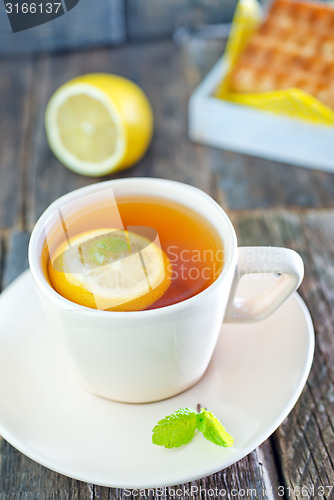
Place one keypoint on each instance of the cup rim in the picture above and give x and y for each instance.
(46, 289)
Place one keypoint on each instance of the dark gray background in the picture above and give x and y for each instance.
(113, 22)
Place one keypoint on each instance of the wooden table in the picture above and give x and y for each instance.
(269, 204)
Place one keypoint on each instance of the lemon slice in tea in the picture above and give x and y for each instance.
(110, 269)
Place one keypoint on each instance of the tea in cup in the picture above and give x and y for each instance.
(138, 275)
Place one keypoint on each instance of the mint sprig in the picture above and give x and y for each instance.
(104, 248)
(179, 428)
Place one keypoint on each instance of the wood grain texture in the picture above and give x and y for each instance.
(2, 256)
(308, 439)
(2, 252)
(16, 260)
(252, 183)
(15, 89)
(21, 478)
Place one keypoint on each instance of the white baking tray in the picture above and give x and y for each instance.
(247, 130)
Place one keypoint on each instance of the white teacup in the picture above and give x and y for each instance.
(145, 356)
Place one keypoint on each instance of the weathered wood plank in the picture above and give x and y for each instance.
(305, 441)
(1, 287)
(157, 18)
(2, 247)
(252, 183)
(15, 88)
(17, 257)
(23, 479)
(90, 23)
(311, 463)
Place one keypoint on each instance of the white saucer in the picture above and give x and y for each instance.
(256, 376)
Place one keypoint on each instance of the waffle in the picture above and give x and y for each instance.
(293, 47)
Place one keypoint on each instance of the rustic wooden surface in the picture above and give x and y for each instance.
(269, 203)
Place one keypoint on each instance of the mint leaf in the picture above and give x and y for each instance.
(96, 257)
(113, 245)
(103, 249)
(212, 429)
(179, 428)
(176, 429)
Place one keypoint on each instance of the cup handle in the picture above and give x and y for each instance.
(285, 263)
